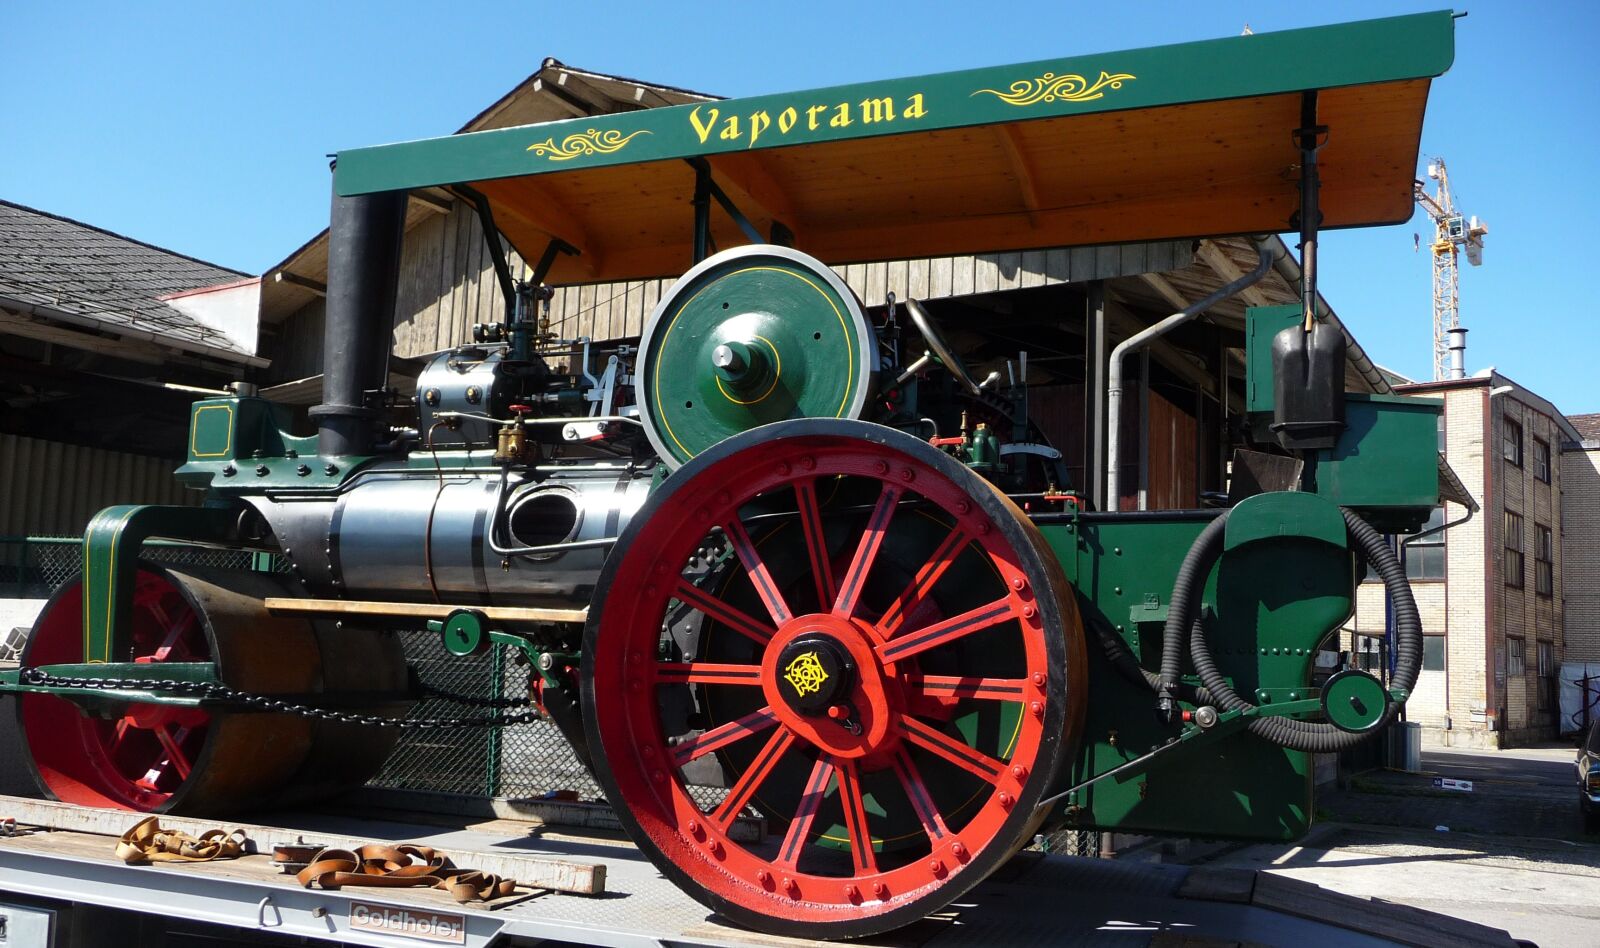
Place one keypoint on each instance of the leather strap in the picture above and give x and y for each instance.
(402, 866)
(147, 842)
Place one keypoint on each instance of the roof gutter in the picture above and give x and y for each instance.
(1114, 374)
(1289, 268)
(126, 332)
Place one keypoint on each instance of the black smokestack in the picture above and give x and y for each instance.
(363, 269)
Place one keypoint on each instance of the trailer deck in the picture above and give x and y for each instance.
(65, 855)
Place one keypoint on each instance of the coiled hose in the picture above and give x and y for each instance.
(1182, 616)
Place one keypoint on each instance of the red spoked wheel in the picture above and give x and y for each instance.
(830, 673)
(138, 757)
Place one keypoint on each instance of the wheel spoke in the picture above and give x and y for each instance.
(696, 747)
(173, 640)
(805, 493)
(855, 817)
(935, 741)
(707, 673)
(745, 787)
(800, 825)
(927, 577)
(871, 539)
(933, 636)
(917, 792)
(760, 576)
(736, 619)
(963, 686)
(170, 743)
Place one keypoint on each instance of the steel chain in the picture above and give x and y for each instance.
(220, 692)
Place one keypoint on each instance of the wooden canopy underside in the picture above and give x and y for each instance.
(1201, 169)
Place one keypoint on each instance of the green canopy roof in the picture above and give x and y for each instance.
(1184, 140)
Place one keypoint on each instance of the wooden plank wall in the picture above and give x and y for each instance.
(52, 489)
(447, 283)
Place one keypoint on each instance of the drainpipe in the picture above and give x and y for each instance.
(1114, 376)
(1289, 269)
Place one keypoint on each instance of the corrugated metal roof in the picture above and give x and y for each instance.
(55, 265)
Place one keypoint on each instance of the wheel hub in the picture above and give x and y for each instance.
(825, 683)
(817, 674)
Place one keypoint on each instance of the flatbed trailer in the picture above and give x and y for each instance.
(62, 885)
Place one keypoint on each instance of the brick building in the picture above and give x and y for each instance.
(1491, 587)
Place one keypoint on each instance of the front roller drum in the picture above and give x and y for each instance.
(160, 758)
(871, 644)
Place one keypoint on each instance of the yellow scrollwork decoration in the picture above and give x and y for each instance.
(806, 674)
(579, 144)
(1050, 87)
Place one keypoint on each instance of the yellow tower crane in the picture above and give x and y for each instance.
(1451, 233)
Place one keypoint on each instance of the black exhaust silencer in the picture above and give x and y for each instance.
(363, 269)
(1308, 386)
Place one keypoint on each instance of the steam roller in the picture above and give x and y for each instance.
(177, 755)
(799, 574)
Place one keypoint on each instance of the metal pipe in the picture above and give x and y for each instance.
(363, 271)
(1458, 351)
(1286, 266)
(1114, 375)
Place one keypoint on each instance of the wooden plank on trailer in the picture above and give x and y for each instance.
(536, 872)
(420, 610)
(1010, 265)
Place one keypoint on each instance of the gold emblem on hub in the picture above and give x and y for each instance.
(805, 674)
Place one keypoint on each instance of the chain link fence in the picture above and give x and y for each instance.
(523, 761)
(34, 567)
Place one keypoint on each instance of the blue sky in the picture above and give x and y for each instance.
(202, 127)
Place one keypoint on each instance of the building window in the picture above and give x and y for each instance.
(1544, 562)
(1547, 676)
(1512, 448)
(1513, 550)
(1442, 439)
(1368, 653)
(1433, 653)
(1541, 460)
(1425, 555)
(1515, 663)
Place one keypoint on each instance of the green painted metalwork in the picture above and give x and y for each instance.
(793, 350)
(1387, 457)
(1284, 514)
(1398, 48)
(1354, 700)
(1261, 325)
(111, 561)
(1272, 599)
(242, 445)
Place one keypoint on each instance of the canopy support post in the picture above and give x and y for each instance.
(1309, 137)
(705, 188)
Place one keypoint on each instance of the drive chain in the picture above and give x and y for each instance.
(216, 691)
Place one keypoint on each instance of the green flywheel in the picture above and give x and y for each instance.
(751, 336)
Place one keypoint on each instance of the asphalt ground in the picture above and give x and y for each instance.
(1511, 853)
